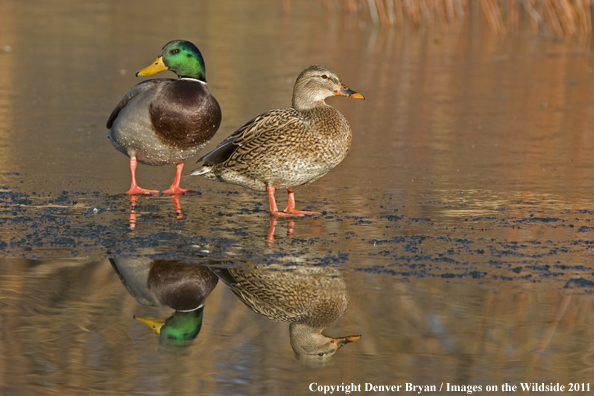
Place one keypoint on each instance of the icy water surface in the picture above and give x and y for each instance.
(456, 238)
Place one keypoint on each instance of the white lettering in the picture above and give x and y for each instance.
(416, 388)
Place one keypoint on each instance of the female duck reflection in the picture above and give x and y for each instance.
(183, 287)
(309, 297)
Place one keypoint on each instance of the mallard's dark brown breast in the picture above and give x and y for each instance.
(185, 114)
(179, 285)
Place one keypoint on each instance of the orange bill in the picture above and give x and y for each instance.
(349, 93)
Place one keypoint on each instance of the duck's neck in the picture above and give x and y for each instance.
(193, 79)
(310, 105)
(306, 97)
(307, 340)
(300, 103)
(193, 68)
(304, 331)
(198, 77)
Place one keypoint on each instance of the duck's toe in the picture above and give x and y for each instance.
(135, 190)
(176, 190)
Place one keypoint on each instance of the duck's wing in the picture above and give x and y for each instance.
(134, 269)
(251, 134)
(134, 91)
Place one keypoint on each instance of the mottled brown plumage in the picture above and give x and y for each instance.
(286, 148)
(309, 297)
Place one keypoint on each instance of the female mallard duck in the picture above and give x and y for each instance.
(166, 121)
(285, 148)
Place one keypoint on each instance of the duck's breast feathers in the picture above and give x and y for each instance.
(135, 91)
(180, 285)
(184, 113)
(258, 132)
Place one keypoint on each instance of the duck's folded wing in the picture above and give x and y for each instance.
(134, 91)
(258, 129)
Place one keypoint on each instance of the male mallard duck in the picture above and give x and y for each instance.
(309, 297)
(285, 148)
(183, 287)
(166, 121)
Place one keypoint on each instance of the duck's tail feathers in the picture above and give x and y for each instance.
(201, 171)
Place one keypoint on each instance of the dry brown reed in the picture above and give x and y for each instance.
(563, 18)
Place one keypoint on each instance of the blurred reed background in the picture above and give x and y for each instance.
(563, 18)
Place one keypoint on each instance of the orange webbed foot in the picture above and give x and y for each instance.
(135, 190)
(176, 190)
(277, 213)
(295, 212)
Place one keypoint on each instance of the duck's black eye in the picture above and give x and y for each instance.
(175, 51)
(321, 353)
(324, 76)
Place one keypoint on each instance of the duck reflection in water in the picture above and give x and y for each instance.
(183, 287)
(309, 297)
(134, 202)
(272, 229)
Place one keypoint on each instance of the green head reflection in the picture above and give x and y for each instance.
(178, 330)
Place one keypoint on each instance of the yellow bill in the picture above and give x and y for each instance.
(156, 67)
(153, 323)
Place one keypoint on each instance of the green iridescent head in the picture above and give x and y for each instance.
(178, 330)
(181, 57)
(181, 328)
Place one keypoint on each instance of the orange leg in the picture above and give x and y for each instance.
(273, 208)
(175, 188)
(291, 206)
(133, 200)
(134, 189)
(290, 231)
(272, 228)
(178, 211)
